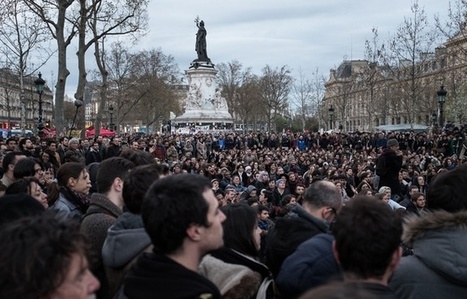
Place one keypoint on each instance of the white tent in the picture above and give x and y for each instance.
(403, 127)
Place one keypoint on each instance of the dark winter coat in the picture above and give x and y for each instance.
(100, 216)
(288, 233)
(393, 164)
(311, 265)
(157, 276)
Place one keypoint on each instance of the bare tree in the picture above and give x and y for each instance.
(229, 77)
(104, 19)
(302, 94)
(57, 17)
(22, 39)
(409, 55)
(275, 85)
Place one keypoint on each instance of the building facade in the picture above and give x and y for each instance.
(18, 109)
(361, 95)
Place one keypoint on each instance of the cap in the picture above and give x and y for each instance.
(392, 142)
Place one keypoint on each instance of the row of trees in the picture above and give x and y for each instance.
(140, 84)
(401, 75)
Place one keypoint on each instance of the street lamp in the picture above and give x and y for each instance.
(331, 115)
(40, 89)
(441, 98)
(434, 117)
(78, 103)
(111, 112)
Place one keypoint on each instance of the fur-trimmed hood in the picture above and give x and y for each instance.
(417, 227)
(439, 241)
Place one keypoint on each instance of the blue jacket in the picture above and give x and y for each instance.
(311, 265)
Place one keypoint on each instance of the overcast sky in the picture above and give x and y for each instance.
(306, 34)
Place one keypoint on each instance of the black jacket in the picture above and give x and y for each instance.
(157, 276)
(289, 232)
(393, 165)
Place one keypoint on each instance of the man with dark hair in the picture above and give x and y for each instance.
(127, 239)
(11, 144)
(367, 245)
(26, 147)
(114, 148)
(319, 209)
(8, 165)
(43, 257)
(106, 206)
(183, 220)
(438, 238)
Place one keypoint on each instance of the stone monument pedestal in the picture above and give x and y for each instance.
(204, 104)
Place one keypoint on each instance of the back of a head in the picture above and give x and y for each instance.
(24, 168)
(137, 157)
(367, 232)
(170, 206)
(322, 193)
(241, 221)
(36, 254)
(109, 170)
(16, 206)
(448, 191)
(9, 159)
(137, 183)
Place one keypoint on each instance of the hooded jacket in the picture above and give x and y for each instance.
(438, 267)
(126, 240)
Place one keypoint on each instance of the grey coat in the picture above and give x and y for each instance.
(438, 268)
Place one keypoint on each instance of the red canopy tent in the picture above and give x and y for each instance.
(104, 133)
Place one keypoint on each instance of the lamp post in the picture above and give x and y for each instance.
(40, 89)
(434, 118)
(111, 112)
(331, 116)
(441, 98)
(78, 103)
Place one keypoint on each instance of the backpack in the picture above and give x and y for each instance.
(381, 169)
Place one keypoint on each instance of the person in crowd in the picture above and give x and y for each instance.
(8, 165)
(436, 268)
(73, 153)
(29, 167)
(311, 265)
(26, 146)
(386, 192)
(16, 206)
(320, 206)
(127, 239)
(181, 216)
(93, 154)
(418, 203)
(114, 148)
(30, 186)
(105, 206)
(367, 246)
(388, 165)
(68, 196)
(235, 268)
(44, 257)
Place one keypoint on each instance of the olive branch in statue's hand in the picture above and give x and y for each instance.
(197, 20)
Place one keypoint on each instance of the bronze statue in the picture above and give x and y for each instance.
(201, 45)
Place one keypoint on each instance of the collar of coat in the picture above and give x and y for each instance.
(415, 226)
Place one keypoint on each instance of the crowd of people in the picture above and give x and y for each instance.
(235, 215)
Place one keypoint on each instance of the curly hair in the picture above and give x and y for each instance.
(36, 254)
